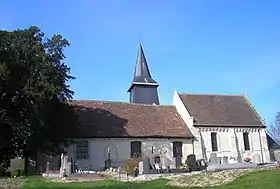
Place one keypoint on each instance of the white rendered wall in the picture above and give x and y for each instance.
(231, 144)
(120, 151)
(230, 140)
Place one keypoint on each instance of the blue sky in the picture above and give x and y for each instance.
(193, 46)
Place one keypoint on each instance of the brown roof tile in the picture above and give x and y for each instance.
(221, 110)
(120, 119)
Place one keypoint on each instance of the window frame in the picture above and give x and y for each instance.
(135, 149)
(82, 150)
(246, 141)
(177, 145)
(214, 142)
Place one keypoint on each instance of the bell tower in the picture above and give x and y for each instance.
(143, 89)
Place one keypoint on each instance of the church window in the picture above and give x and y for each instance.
(214, 142)
(246, 141)
(82, 150)
(135, 149)
(177, 149)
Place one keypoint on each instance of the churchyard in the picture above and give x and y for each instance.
(193, 174)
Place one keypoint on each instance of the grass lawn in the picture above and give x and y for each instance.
(256, 180)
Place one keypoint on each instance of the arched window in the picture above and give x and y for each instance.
(135, 149)
(177, 149)
(214, 142)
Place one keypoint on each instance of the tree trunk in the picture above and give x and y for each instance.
(38, 162)
(26, 165)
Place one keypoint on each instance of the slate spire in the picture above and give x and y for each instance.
(142, 73)
(143, 88)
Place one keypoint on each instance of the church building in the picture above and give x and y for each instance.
(198, 124)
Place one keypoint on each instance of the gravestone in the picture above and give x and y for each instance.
(164, 153)
(47, 166)
(219, 160)
(146, 165)
(225, 160)
(61, 171)
(68, 168)
(164, 162)
(108, 163)
(191, 161)
(141, 167)
(202, 163)
(65, 161)
(64, 169)
(213, 158)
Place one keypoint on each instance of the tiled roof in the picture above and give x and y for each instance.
(221, 110)
(119, 119)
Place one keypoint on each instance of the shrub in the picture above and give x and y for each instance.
(16, 172)
(183, 167)
(4, 172)
(131, 164)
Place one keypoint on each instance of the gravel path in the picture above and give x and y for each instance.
(11, 183)
(209, 179)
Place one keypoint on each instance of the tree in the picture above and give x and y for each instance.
(35, 114)
(274, 130)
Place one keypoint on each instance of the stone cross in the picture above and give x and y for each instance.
(68, 170)
(141, 167)
(48, 166)
(61, 165)
(109, 152)
(164, 152)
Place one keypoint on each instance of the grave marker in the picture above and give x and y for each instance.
(225, 160)
(191, 161)
(213, 158)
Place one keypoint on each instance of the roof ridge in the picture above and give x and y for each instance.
(121, 102)
(252, 107)
(208, 94)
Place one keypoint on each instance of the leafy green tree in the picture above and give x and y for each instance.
(35, 114)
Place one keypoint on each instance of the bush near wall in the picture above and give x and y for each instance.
(17, 167)
(131, 164)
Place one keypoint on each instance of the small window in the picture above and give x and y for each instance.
(214, 142)
(246, 141)
(135, 149)
(82, 150)
(177, 149)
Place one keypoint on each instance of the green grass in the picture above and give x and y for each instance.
(255, 180)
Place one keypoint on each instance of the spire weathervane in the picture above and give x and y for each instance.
(140, 37)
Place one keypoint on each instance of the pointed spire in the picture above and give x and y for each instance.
(142, 73)
(143, 88)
